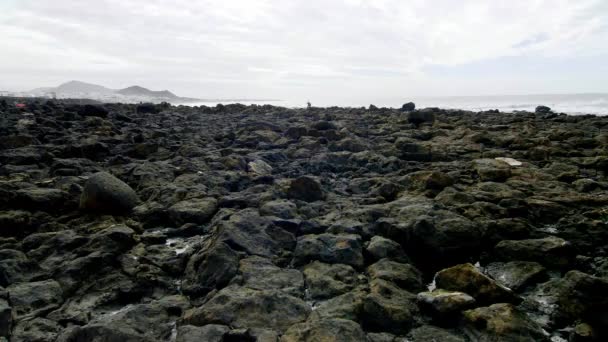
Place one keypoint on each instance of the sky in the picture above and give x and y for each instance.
(322, 50)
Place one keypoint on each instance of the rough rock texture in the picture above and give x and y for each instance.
(261, 223)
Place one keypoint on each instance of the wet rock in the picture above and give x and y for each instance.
(428, 180)
(196, 210)
(491, 170)
(36, 330)
(468, 279)
(431, 333)
(575, 296)
(261, 274)
(345, 306)
(329, 248)
(104, 193)
(516, 275)
(305, 189)
(26, 298)
(501, 322)
(380, 248)
(326, 281)
(333, 330)
(444, 302)
(42, 199)
(211, 268)
(210, 333)
(550, 251)
(405, 276)
(248, 232)
(279, 208)
(241, 307)
(388, 308)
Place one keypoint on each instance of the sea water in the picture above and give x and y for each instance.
(575, 104)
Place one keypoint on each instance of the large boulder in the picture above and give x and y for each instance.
(261, 274)
(209, 269)
(408, 107)
(492, 170)
(104, 193)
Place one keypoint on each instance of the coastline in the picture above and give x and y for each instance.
(271, 221)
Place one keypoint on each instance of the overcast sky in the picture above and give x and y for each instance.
(308, 49)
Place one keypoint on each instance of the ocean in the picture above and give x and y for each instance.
(575, 104)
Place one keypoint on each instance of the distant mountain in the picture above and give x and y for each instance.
(82, 87)
(133, 94)
(141, 91)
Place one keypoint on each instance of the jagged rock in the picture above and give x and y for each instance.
(575, 296)
(501, 322)
(446, 302)
(492, 170)
(104, 193)
(405, 276)
(326, 281)
(380, 248)
(279, 208)
(329, 248)
(516, 275)
(36, 330)
(196, 210)
(345, 306)
(208, 333)
(6, 319)
(542, 109)
(261, 274)
(431, 333)
(550, 251)
(241, 307)
(468, 279)
(211, 268)
(26, 298)
(388, 308)
(333, 330)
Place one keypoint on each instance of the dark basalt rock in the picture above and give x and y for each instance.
(104, 193)
(408, 107)
(300, 224)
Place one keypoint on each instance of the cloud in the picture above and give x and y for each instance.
(284, 48)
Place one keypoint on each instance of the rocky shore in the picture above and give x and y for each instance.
(260, 223)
